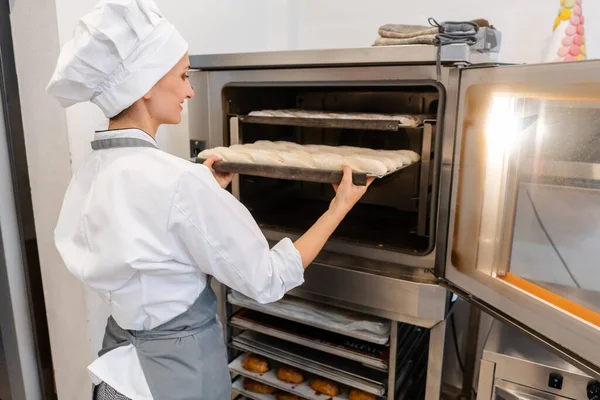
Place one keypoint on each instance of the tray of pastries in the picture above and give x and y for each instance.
(273, 380)
(309, 162)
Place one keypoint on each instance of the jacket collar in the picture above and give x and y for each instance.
(124, 133)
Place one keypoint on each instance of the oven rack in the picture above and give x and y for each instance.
(294, 173)
(370, 355)
(274, 310)
(270, 378)
(333, 119)
(337, 369)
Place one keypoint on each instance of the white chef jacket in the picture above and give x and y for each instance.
(145, 228)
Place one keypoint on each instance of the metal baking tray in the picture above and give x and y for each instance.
(270, 378)
(266, 309)
(337, 369)
(368, 354)
(338, 120)
(294, 173)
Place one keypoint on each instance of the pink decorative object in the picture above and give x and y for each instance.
(574, 50)
(575, 20)
(563, 51)
(568, 38)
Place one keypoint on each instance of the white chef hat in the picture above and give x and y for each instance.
(118, 52)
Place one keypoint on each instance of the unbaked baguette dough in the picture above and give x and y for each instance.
(226, 154)
(262, 156)
(297, 159)
(284, 153)
(367, 165)
(329, 161)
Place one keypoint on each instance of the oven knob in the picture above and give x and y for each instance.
(593, 390)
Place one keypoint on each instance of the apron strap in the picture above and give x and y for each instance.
(121, 142)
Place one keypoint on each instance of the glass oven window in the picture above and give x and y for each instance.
(529, 195)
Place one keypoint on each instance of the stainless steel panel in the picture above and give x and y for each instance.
(570, 336)
(485, 387)
(435, 362)
(416, 54)
(424, 181)
(421, 304)
(199, 118)
(511, 391)
(522, 361)
(391, 384)
(17, 336)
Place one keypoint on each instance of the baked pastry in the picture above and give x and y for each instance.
(325, 387)
(290, 375)
(258, 387)
(356, 394)
(256, 364)
(288, 396)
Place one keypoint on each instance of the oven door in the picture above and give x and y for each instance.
(521, 198)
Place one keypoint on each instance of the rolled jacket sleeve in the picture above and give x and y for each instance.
(216, 233)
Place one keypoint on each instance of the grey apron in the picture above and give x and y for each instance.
(185, 358)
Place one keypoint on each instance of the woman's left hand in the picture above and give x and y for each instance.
(223, 178)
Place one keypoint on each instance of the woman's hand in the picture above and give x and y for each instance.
(223, 178)
(346, 193)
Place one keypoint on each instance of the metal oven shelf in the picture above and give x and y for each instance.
(270, 378)
(293, 173)
(327, 119)
(371, 355)
(277, 311)
(327, 366)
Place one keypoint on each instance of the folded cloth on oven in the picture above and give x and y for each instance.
(436, 34)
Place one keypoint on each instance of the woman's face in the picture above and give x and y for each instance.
(165, 100)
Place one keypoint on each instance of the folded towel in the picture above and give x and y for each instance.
(398, 31)
(425, 39)
(437, 34)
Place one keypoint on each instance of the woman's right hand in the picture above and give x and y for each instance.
(347, 193)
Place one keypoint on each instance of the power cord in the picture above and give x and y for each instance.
(562, 260)
(457, 349)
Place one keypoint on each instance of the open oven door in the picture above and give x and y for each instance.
(520, 196)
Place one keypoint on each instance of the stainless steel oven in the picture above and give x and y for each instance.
(515, 367)
(495, 142)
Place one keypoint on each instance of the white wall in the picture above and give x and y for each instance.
(526, 26)
(34, 28)
(61, 139)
